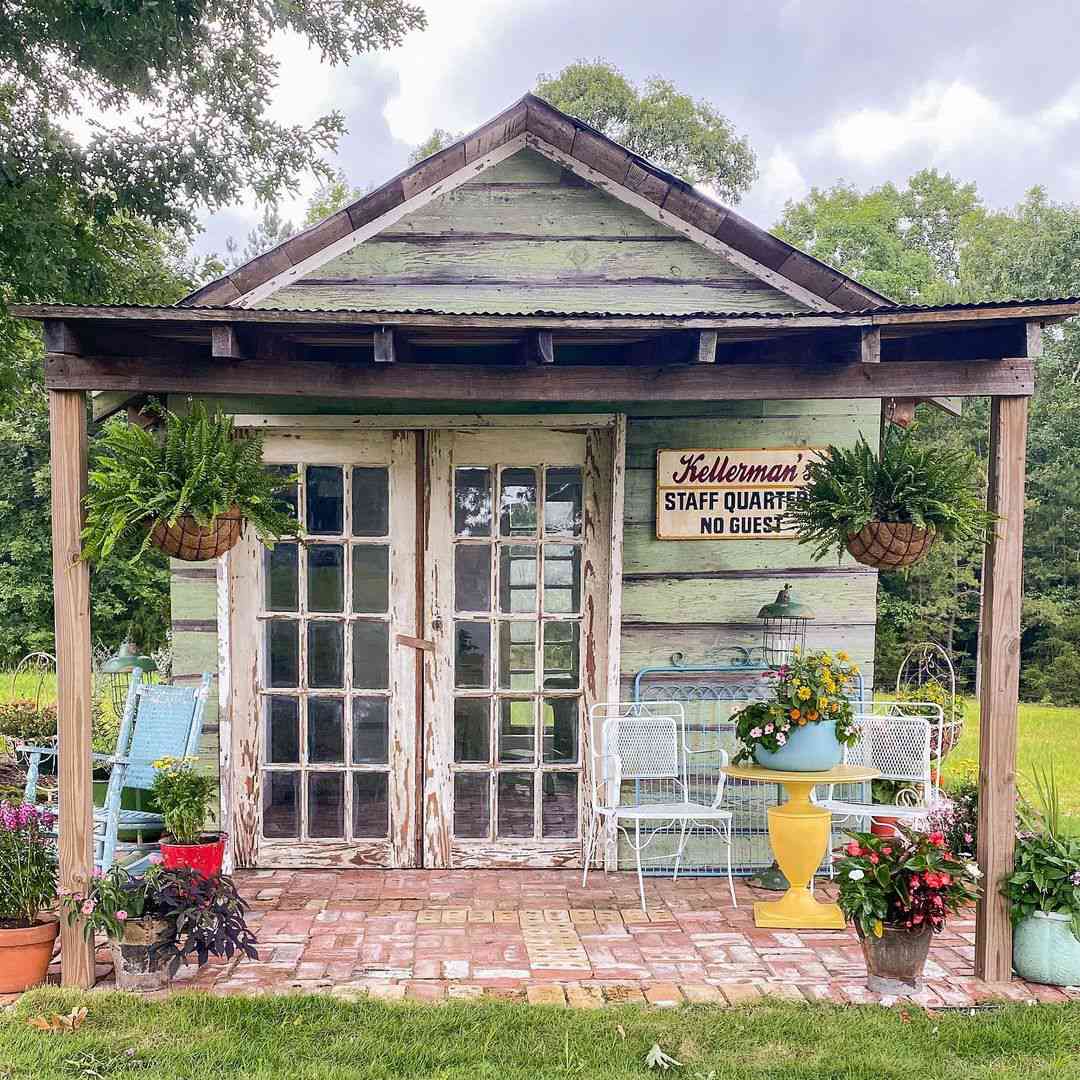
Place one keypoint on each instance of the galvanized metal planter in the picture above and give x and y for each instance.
(135, 961)
(895, 961)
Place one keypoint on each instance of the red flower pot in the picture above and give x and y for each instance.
(205, 858)
(885, 826)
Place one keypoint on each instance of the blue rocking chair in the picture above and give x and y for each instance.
(159, 721)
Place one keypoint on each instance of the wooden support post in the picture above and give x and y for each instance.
(706, 347)
(999, 662)
(870, 345)
(384, 346)
(225, 343)
(71, 605)
(540, 348)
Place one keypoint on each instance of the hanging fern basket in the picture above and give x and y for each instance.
(192, 542)
(890, 545)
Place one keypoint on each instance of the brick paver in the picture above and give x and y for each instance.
(538, 935)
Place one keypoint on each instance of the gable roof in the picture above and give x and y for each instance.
(581, 149)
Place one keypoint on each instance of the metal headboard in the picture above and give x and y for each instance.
(711, 692)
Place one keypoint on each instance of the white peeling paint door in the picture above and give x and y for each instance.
(324, 696)
(515, 560)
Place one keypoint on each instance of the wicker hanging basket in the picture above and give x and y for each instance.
(890, 545)
(192, 542)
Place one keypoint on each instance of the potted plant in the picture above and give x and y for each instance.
(888, 510)
(183, 795)
(27, 887)
(898, 891)
(1043, 891)
(891, 793)
(809, 720)
(158, 920)
(188, 491)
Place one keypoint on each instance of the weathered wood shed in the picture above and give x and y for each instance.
(473, 369)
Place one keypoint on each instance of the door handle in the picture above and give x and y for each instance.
(416, 642)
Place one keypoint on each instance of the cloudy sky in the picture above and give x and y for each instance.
(859, 90)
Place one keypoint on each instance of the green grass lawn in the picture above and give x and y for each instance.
(1049, 735)
(197, 1037)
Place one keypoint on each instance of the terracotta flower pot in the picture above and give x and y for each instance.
(884, 826)
(895, 961)
(25, 954)
(135, 962)
(193, 542)
(206, 857)
(889, 545)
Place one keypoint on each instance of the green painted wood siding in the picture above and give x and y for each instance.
(695, 597)
(527, 236)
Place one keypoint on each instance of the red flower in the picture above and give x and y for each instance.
(937, 839)
(853, 848)
(946, 879)
(918, 919)
(932, 879)
(874, 859)
(886, 851)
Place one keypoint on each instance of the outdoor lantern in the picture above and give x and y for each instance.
(119, 667)
(783, 628)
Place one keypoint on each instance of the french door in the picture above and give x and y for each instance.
(514, 561)
(397, 703)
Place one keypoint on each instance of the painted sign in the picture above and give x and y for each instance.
(728, 494)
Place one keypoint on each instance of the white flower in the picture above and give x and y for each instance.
(856, 874)
(755, 733)
(781, 738)
(768, 728)
(974, 871)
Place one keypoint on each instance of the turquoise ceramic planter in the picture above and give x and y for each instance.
(1045, 950)
(812, 748)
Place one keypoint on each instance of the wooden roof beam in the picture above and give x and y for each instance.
(561, 382)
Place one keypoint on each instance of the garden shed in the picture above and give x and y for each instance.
(480, 371)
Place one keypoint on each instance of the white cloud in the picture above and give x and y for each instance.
(427, 63)
(942, 119)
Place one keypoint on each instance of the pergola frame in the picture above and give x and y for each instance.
(899, 355)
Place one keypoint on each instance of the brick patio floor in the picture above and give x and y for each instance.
(537, 935)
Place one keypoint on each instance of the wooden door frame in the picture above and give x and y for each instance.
(604, 478)
(238, 610)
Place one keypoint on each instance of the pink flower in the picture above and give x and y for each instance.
(88, 907)
(937, 839)
(781, 738)
(853, 848)
(886, 851)
(97, 872)
(968, 838)
(155, 857)
(768, 729)
(755, 733)
(874, 859)
(121, 915)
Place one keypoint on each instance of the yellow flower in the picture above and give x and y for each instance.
(842, 656)
(823, 702)
(854, 669)
(804, 693)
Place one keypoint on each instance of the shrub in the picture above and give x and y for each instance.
(26, 721)
(27, 864)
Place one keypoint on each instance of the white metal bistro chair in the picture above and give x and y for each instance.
(639, 784)
(898, 745)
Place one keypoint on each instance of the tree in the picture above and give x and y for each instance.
(933, 241)
(193, 83)
(687, 137)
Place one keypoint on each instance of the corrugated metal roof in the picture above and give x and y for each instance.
(178, 312)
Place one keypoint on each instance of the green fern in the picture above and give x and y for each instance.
(196, 466)
(928, 486)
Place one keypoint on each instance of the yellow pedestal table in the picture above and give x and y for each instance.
(799, 833)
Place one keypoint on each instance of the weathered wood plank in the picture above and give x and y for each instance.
(870, 345)
(653, 646)
(835, 598)
(553, 383)
(385, 346)
(706, 350)
(225, 344)
(999, 677)
(468, 260)
(71, 601)
(541, 350)
(619, 296)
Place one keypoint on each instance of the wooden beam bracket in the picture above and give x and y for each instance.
(385, 345)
